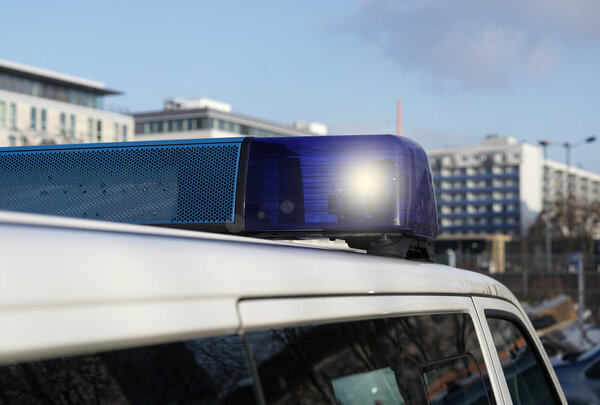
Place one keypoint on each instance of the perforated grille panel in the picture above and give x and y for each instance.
(183, 184)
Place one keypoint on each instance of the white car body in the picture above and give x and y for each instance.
(71, 286)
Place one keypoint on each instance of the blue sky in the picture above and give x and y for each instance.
(463, 68)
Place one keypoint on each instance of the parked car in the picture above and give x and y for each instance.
(579, 376)
(105, 312)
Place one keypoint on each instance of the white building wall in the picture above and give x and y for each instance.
(530, 185)
(112, 124)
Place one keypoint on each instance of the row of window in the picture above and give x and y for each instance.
(434, 359)
(194, 124)
(38, 121)
(474, 171)
(51, 91)
(496, 195)
(497, 157)
(510, 220)
(478, 209)
(476, 184)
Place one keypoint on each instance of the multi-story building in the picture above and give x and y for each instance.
(495, 187)
(499, 186)
(205, 118)
(38, 106)
(585, 185)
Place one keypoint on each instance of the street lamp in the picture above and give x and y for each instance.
(580, 279)
(545, 143)
(568, 146)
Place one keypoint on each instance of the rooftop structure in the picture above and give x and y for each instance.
(206, 118)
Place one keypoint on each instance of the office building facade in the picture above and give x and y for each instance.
(205, 118)
(38, 106)
(499, 186)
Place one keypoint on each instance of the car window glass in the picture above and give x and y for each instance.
(593, 371)
(527, 382)
(456, 380)
(207, 371)
(381, 361)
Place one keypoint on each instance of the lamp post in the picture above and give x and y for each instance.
(580, 279)
(545, 143)
(568, 146)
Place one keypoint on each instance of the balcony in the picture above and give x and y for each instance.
(486, 176)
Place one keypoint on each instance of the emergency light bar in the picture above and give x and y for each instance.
(374, 191)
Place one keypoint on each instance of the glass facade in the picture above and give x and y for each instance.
(40, 88)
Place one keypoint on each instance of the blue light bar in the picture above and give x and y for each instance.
(335, 186)
(340, 184)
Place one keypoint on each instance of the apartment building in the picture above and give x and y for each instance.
(206, 118)
(38, 106)
(499, 186)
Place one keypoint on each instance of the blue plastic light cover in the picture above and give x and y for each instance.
(340, 184)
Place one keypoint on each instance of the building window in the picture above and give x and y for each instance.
(63, 124)
(116, 134)
(2, 114)
(90, 132)
(99, 131)
(72, 127)
(13, 115)
(43, 120)
(33, 123)
(124, 133)
(12, 140)
(147, 127)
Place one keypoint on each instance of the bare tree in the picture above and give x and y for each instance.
(577, 223)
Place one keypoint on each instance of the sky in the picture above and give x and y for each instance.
(462, 68)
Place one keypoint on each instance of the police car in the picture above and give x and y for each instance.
(209, 306)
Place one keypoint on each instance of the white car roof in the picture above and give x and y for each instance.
(70, 286)
(63, 261)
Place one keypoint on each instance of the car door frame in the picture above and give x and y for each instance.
(510, 311)
(266, 313)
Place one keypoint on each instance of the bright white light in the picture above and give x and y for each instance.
(368, 181)
(374, 390)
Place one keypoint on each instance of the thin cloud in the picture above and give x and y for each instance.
(474, 42)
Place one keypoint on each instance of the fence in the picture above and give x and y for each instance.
(527, 278)
(536, 286)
